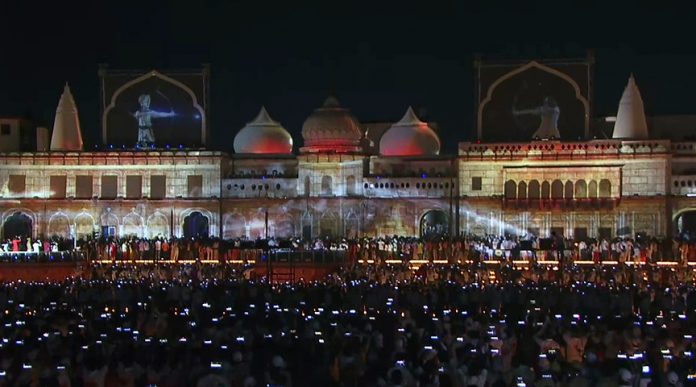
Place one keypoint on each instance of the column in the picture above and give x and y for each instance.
(69, 185)
(467, 227)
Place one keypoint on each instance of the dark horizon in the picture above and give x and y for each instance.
(378, 59)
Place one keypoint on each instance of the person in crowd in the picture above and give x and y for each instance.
(380, 324)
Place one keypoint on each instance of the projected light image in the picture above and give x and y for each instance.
(144, 117)
(153, 112)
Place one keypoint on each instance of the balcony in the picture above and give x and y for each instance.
(561, 204)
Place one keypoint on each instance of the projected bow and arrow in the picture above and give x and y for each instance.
(548, 112)
(144, 116)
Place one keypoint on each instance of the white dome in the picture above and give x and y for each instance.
(630, 119)
(331, 128)
(263, 136)
(409, 137)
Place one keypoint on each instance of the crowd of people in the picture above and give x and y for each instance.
(457, 324)
(453, 250)
(26, 249)
(374, 325)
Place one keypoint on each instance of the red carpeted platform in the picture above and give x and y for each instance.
(60, 271)
(284, 272)
(36, 271)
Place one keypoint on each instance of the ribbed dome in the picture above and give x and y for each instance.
(409, 137)
(331, 128)
(263, 135)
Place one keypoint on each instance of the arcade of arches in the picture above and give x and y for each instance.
(556, 189)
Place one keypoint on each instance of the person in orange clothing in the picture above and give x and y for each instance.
(165, 249)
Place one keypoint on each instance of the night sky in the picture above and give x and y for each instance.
(378, 57)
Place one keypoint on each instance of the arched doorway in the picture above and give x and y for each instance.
(350, 185)
(109, 224)
(328, 225)
(59, 226)
(157, 226)
(510, 189)
(196, 225)
(685, 224)
(433, 224)
(307, 225)
(284, 228)
(133, 225)
(326, 185)
(235, 227)
(351, 227)
(84, 226)
(17, 224)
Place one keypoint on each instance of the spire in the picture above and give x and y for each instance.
(331, 102)
(67, 135)
(630, 119)
(263, 118)
(410, 118)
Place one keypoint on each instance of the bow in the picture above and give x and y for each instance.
(169, 102)
(515, 109)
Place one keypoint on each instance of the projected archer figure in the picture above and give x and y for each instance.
(144, 116)
(549, 113)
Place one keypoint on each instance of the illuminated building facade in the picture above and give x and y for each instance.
(353, 179)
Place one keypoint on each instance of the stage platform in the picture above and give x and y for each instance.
(280, 271)
(37, 271)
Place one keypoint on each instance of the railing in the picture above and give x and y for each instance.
(313, 257)
(33, 257)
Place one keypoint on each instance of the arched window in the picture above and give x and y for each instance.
(522, 190)
(350, 185)
(592, 190)
(580, 189)
(604, 188)
(569, 188)
(534, 190)
(557, 189)
(326, 185)
(545, 190)
(307, 186)
(510, 189)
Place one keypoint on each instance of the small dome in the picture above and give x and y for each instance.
(331, 128)
(409, 137)
(263, 135)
